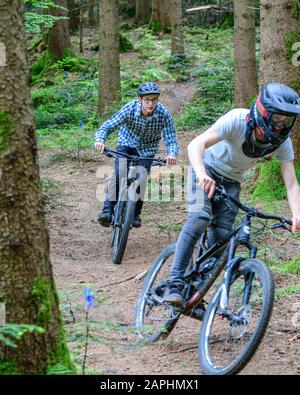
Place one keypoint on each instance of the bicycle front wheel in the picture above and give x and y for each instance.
(122, 225)
(154, 319)
(227, 344)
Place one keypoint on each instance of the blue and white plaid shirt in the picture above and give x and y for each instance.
(141, 133)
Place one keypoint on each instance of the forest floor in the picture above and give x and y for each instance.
(81, 258)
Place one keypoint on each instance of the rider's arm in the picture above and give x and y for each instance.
(111, 124)
(293, 192)
(169, 137)
(196, 150)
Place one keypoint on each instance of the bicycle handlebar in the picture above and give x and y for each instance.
(252, 211)
(114, 154)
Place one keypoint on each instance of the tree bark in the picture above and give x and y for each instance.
(245, 75)
(280, 33)
(177, 46)
(142, 10)
(161, 12)
(59, 37)
(73, 10)
(109, 58)
(26, 280)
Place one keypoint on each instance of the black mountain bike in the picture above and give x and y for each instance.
(125, 207)
(235, 320)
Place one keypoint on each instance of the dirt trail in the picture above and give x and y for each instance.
(81, 257)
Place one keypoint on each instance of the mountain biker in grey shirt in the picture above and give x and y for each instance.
(221, 155)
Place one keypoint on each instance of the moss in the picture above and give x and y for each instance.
(43, 296)
(292, 266)
(7, 368)
(6, 130)
(269, 185)
(59, 361)
(290, 39)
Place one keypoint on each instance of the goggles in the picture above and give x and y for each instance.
(280, 121)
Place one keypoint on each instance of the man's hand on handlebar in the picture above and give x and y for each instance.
(100, 147)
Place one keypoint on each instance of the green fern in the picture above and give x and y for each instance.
(9, 333)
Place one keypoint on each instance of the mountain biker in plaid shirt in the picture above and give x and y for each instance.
(141, 123)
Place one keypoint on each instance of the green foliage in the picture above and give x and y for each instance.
(214, 76)
(180, 65)
(296, 12)
(125, 44)
(144, 42)
(46, 68)
(292, 266)
(36, 17)
(8, 368)
(286, 291)
(290, 39)
(59, 369)
(6, 129)
(59, 110)
(9, 333)
(269, 184)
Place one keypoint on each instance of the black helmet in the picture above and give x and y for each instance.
(148, 88)
(276, 106)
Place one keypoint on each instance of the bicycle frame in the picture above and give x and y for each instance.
(238, 236)
(126, 202)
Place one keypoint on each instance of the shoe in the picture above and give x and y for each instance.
(173, 294)
(137, 222)
(105, 218)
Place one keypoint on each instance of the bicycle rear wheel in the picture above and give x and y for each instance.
(226, 345)
(154, 319)
(122, 224)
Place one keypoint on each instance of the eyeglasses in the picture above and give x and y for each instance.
(280, 121)
(153, 101)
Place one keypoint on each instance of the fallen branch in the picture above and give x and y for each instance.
(135, 277)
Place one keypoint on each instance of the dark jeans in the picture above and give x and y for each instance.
(203, 213)
(120, 176)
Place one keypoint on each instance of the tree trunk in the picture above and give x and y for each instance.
(142, 10)
(109, 59)
(245, 76)
(26, 280)
(73, 10)
(91, 13)
(59, 38)
(280, 35)
(177, 47)
(161, 12)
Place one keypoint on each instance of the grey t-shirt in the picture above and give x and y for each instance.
(227, 156)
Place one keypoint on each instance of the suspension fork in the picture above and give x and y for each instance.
(233, 264)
